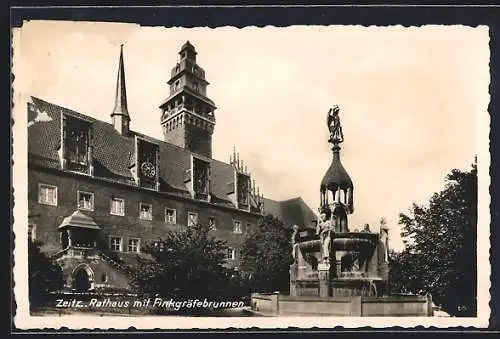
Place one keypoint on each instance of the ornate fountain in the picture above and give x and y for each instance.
(338, 271)
(330, 260)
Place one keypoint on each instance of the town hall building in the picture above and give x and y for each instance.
(98, 191)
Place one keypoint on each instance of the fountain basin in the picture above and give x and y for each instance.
(354, 241)
(355, 286)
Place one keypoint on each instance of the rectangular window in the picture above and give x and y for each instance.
(47, 194)
(192, 219)
(211, 223)
(231, 253)
(117, 206)
(116, 244)
(85, 201)
(133, 245)
(31, 232)
(170, 216)
(145, 211)
(237, 226)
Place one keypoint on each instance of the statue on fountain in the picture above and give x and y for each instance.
(333, 121)
(324, 229)
(295, 242)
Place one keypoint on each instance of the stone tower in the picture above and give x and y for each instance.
(188, 118)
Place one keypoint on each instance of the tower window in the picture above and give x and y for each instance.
(196, 86)
(177, 84)
(85, 201)
(47, 194)
(145, 211)
(170, 216)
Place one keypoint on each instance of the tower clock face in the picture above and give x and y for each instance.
(148, 169)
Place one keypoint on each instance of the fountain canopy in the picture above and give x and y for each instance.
(336, 176)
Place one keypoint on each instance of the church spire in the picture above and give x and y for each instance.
(120, 116)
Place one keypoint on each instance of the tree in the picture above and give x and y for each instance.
(45, 275)
(187, 263)
(440, 254)
(267, 256)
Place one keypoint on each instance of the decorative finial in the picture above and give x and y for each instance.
(333, 122)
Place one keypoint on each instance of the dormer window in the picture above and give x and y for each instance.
(76, 145)
(148, 164)
(243, 189)
(201, 179)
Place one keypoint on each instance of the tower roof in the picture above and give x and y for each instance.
(336, 176)
(121, 91)
(187, 45)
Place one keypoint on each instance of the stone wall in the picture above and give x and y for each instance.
(275, 304)
(47, 218)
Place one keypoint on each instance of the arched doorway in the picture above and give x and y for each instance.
(83, 278)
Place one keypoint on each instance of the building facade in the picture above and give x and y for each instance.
(98, 191)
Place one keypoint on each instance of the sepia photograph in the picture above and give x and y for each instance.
(278, 176)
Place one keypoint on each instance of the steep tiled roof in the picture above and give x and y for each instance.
(114, 154)
(292, 212)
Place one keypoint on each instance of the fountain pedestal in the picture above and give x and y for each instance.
(324, 280)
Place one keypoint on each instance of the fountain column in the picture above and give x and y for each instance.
(324, 279)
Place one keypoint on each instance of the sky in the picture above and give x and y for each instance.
(409, 98)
